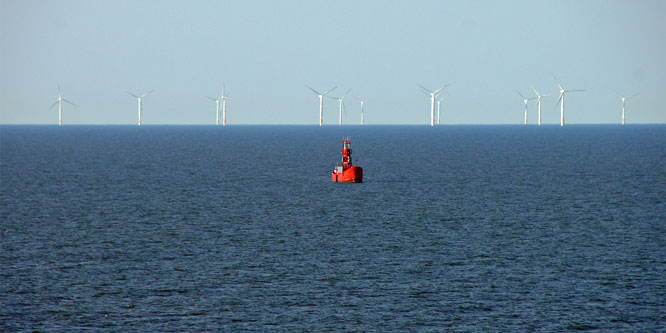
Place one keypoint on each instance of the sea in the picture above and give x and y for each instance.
(240, 228)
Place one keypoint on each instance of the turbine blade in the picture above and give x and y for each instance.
(558, 82)
(521, 95)
(52, 105)
(222, 88)
(574, 90)
(634, 95)
(347, 93)
(329, 90)
(558, 101)
(211, 98)
(344, 107)
(424, 88)
(314, 91)
(442, 90)
(69, 102)
(59, 88)
(535, 91)
(135, 96)
(146, 94)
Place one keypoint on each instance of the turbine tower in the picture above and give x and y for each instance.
(321, 102)
(140, 100)
(362, 113)
(624, 99)
(438, 107)
(561, 99)
(432, 95)
(342, 104)
(59, 103)
(539, 105)
(224, 98)
(525, 99)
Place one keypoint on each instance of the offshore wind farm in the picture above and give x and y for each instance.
(268, 77)
(435, 97)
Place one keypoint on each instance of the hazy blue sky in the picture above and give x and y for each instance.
(266, 51)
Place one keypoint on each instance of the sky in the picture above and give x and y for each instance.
(267, 51)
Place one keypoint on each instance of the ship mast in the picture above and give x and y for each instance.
(346, 154)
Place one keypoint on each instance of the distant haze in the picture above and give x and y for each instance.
(267, 51)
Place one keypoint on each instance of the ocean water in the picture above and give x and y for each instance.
(465, 228)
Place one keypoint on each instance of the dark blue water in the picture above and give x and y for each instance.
(455, 228)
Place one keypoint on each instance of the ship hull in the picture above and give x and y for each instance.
(350, 175)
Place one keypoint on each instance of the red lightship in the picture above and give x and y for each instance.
(347, 173)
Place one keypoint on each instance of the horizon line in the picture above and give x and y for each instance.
(336, 125)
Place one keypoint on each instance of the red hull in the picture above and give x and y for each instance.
(351, 175)
(346, 173)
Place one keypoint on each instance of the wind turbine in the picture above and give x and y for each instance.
(539, 105)
(224, 98)
(59, 102)
(321, 102)
(561, 99)
(342, 104)
(525, 99)
(623, 100)
(217, 109)
(432, 95)
(140, 99)
(362, 113)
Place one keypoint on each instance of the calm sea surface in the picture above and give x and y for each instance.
(469, 228)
